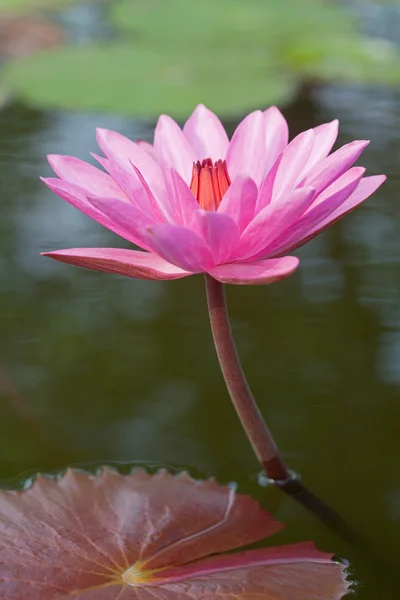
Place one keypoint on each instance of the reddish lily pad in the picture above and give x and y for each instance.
(149, 537)
(23, 35)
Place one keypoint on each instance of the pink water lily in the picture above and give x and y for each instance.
(196, 202)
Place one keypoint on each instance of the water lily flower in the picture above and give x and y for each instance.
(197, 202)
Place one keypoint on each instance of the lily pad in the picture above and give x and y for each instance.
(15, 6)
(345, 59)
(311, 39)
(145, 81)
(250, 54)
(227, 22)
(22, 35)
(142, 536)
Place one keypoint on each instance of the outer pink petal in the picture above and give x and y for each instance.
(294, 159)
(77, 197)
(126, 219)
(131, 263)
(295, 235)
(239, 201)
(275, 218)
(276, 135)
(255, 273)
(220, 233)
(365, 188)
(346, 183)
(325, 172)
(122, 151)
(173, 147)
(87, 177)
(246, 152)
(325, 137)
(179, 246)
(206, 134)
(74, 195)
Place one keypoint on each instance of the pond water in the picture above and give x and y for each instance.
(99, 369)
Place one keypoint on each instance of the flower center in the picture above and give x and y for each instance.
(209, 182)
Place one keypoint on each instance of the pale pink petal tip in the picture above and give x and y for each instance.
(247, 150)
(147, 147)
(130, 263)
(206, 134)
(260, 272)
(173, 147)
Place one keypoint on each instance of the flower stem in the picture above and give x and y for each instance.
(243, 400)
(255, 427)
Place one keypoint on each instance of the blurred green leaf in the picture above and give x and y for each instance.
(136, 80)
(233, 55)
(227, 22)
(16, 6)
(382, 2)
(313, 39)
(345, 59)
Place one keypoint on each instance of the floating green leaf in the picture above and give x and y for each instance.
(233, 55)
(227, 22)
(345, 59)
(137, 80)
(15, 6)
(313, 39)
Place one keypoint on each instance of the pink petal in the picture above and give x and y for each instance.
(325, 137)
(173, 147)
(179, 246)
(160, 209)
(122, 151)
(294, 159)
(155, 202)
(206, 134)
(365, 188)
(147, 147)
(346, 182)
(129, 183)
(220, 233)
(77, 197)
(130, 263)
(300, 231)
(85, 176)
(125, 219)
(332, 167)
(246, 152)
(239, 201)
(274, 219)
(276, 135)
(255, 273)
(267, 186)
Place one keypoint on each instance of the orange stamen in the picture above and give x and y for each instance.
(209, 183)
